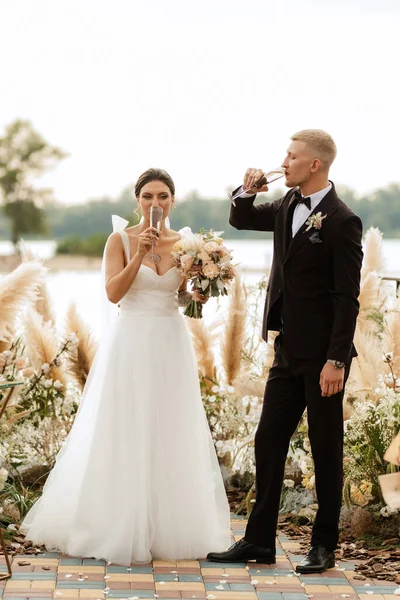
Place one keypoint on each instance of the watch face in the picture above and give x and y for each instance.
(337, 364)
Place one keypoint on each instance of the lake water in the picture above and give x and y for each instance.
(82, 287)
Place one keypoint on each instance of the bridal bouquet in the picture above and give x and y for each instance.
(206, 262)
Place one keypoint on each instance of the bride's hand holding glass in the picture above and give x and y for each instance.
(146, 239)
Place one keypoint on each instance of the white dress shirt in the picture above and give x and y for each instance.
(301, 212)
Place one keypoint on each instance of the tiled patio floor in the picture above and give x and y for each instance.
(52, 575)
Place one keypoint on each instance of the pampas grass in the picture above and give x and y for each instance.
(43, 302)
(43, 305)
(376, 327)
(367, 367)
(203, 343)
(369, 291)
(393, 336)
(80, 357)
(247, 385)
(373, 292)
(6, 343)
(373, 252)
(17, 290)
(42, 345)
(232, 344)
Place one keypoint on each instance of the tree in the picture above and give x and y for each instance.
(25, 154)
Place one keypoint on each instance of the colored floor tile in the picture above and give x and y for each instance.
(52, 575)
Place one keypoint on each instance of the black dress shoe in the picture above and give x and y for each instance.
(318, 559)
(243, 551)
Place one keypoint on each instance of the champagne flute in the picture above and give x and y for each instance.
(267, 178)
(156, 215)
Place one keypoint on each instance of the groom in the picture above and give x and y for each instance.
(312, 303)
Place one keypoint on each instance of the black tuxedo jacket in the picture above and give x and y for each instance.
(313, 288)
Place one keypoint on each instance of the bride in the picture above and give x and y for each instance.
(138, 478)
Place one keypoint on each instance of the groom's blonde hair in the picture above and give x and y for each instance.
(320, 142)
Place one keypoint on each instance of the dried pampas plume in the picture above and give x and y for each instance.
(367, 367)
(369, 291)
(231, 348)
(42, 345)
(373, 291)
(43, 305)
(81, 357)
(247, 385)
(203, 343)
(43, 302)
(17, 290)
(373, 252)
(393, 336)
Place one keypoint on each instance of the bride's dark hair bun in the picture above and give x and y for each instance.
(154, 175)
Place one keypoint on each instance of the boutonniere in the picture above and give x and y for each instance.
(315, 221)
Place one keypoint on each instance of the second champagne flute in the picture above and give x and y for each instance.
(267, 178)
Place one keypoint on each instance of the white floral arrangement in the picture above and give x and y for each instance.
(233, 421)
(12, 364)
(368, 433)
(42, 414)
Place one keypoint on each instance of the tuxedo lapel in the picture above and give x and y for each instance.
(327, 206)
(287, 227)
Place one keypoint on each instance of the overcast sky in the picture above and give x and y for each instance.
(202, 88)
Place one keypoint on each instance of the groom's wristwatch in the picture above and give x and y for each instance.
(336, 363)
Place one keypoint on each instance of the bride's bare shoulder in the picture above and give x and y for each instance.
(114, 238)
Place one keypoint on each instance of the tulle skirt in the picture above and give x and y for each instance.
(138, 478)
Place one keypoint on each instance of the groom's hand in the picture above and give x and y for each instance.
(331, 380)
(252, 176)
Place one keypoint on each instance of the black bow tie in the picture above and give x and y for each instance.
(299, 199)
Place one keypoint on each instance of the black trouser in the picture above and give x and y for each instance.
(292, 386)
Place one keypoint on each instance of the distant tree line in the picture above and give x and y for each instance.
(31, 212)
(379, 209)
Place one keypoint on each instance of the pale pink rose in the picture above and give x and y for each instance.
(211, 271)
(28, 372)
(204, 256)
(187, 261)
(20, 363)
(2, 362)
(211, 247)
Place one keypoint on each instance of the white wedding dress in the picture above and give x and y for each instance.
(138, 478)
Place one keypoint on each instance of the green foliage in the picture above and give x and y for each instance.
(84, 220)
(25, 217)
(380, 209)
(24, 154)
(91, 246)
(369, 431)
(19, 497)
